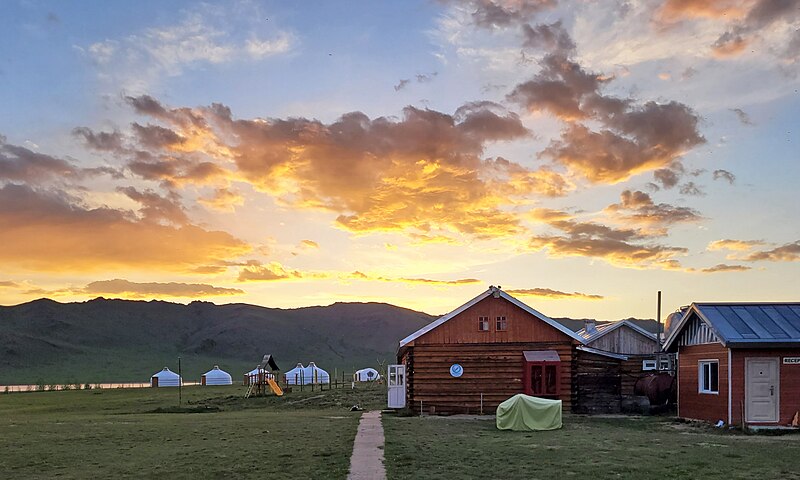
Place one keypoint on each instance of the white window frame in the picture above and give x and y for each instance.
(501, 321)
(648, 365)
(664, 364)
(701, 369)
(484, 320)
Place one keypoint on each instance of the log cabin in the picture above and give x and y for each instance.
(495, 346)
(738, 362)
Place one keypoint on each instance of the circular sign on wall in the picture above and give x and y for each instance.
(456, 370)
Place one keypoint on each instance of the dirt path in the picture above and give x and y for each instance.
(366, 463)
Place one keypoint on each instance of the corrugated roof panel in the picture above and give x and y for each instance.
(742, 329)
(762, 318)
(719, 322)
(795, 309)
(791, 330)
(789, 315)
(744, 315)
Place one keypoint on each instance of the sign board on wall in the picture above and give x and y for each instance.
(456, 370)
(791, 360)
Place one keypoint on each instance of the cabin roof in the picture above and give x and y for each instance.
(498, 293)
(606, 328)
(745, 324)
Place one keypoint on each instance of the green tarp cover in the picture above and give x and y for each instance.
(523, 412)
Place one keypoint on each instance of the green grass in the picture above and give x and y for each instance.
(587, 447)
(115, 433)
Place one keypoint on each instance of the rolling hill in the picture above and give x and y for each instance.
(105, 340)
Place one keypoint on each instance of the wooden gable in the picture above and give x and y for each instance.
(625, 340)
(696, 332)
(522, 326)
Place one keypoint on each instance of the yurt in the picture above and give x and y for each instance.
(215, 376)
(165, 378)
(366, 375)
(297, 376)
(316, 374)
(300, 375)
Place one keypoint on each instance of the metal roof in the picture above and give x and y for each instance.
(606, 328)
(541, 356)
(498, 293)
(746, 324)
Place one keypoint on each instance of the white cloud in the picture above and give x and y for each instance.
(209, 36)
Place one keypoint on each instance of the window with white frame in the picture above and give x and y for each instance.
(648, 365)
(483, 324)
(708, 376)
(501, 324)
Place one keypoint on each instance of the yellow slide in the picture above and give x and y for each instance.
(275, 387)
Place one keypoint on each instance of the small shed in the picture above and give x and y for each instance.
(366, 375)
(623, 337)
(738, 362)
(165, 378)
(215, 376)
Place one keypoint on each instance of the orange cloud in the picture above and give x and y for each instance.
(223, 200)
(130, 289)
(722, 267)
(789, 252)
(553, 294)
(737, 245)
(633, 137)
(50, 231)
(637, 208)
(676, 10)
(620, 247)
(423, 173)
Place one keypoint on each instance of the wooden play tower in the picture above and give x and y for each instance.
(264, 379)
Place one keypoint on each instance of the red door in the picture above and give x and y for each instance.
(542, 374)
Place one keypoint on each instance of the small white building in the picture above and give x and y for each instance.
(300, 375)
(366, 375)
(215, 376)
(165, 378)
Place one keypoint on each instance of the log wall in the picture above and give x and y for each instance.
(493, 369)
(597, 384)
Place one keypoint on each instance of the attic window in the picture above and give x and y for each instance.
(483, 324)
(501, 325)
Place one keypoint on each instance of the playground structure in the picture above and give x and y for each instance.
(262, 379)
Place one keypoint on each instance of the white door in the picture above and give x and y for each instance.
(397, 386)
(761, 389)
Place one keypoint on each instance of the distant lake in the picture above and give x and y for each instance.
(47, 387)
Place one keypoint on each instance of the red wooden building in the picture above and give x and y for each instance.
(738, 360)
(487, 350)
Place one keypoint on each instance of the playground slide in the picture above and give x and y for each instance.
(275, 387)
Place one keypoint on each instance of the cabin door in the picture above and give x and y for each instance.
(761, 389)
(397, 386)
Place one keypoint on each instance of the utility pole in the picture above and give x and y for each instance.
(658, 333)
(180, 382)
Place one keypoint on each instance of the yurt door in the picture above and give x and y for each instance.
(397, 386)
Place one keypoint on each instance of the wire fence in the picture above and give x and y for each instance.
(53, 387)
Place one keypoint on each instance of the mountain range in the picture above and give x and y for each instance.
(108, 340)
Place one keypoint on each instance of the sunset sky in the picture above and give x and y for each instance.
(301, 153)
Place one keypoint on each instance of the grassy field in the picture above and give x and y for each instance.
(216, 433)
(587, 447)
(116, 433)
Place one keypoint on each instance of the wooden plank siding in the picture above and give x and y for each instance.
(521, 326)
(492, 369)
(625, 340)
(788, 389)
(597, 384)
(692, 403)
